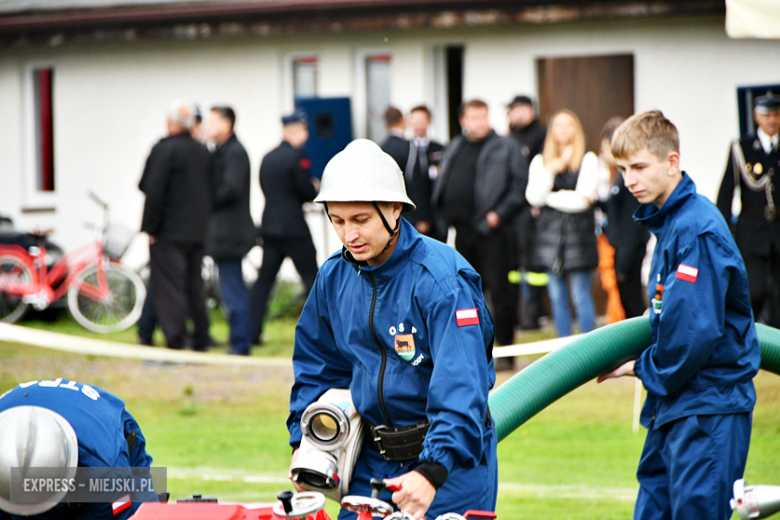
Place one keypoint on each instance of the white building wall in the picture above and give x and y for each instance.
(11, 140)
(408, 87)
(110, 101)
(110, 105)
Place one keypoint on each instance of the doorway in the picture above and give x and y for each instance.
(454, 57)
(447, 91)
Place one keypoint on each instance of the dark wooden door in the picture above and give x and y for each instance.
(596, 88)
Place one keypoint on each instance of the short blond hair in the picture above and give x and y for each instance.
(649, 130)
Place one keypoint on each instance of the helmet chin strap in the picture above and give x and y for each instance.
(393, 232)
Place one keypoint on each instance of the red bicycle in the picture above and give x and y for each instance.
(102, 294)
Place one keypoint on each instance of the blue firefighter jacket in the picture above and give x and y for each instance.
(101, 424)
(390, 334)
(705, 351)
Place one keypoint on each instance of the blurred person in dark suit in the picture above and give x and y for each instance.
(178, 183)
(147, 323)
(407, 155)
(430, 155)
(231, 230)
(286, 181)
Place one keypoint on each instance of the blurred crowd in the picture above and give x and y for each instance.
(530, 210)
(196, 181)
(533, 211)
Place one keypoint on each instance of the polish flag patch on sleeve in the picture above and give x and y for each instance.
(467, 317)
(121, 504)
(687, 273)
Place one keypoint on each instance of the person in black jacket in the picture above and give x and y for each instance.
(525, 127)
(627, 237)
(529, 133)
(480, 189)
(407, 155)
(285, 178)
(178, 183)
(231, 230)
(753, 162)
(147, 323)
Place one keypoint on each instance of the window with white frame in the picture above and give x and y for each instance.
(304, 76)
(377, 94)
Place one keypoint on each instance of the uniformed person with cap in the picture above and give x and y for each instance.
(286, 181)
(753, 165)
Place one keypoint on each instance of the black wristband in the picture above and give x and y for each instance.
(434, 472)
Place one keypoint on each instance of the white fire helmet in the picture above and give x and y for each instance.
(363, 172)
(332, 439)
(35, 437)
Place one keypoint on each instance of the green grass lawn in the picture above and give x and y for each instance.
(221, 432)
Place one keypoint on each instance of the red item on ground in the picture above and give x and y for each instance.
(212, 511)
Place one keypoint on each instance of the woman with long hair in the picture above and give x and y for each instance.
(562, 183)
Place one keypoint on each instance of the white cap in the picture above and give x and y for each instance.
(35, 437)
(363, 172)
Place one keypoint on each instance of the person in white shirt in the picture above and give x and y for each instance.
(562, 183)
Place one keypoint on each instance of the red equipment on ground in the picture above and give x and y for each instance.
(305, 506)
(213, 511)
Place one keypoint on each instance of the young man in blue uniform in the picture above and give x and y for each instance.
(62, 423)
(699, 370)
(400, 320)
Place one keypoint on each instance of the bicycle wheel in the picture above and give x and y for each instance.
(12, 271)
(106, 306)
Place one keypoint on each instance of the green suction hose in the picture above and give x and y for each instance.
(769, 339)
(587, 357)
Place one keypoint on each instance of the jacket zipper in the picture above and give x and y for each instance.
(381, 382)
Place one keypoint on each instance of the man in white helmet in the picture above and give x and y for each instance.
(64, 424)
(400, 320)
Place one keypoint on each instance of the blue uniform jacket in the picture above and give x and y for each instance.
(390, 333)
(101, 424)
(705, 350)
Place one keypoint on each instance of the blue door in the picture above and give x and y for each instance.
(330, 129)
